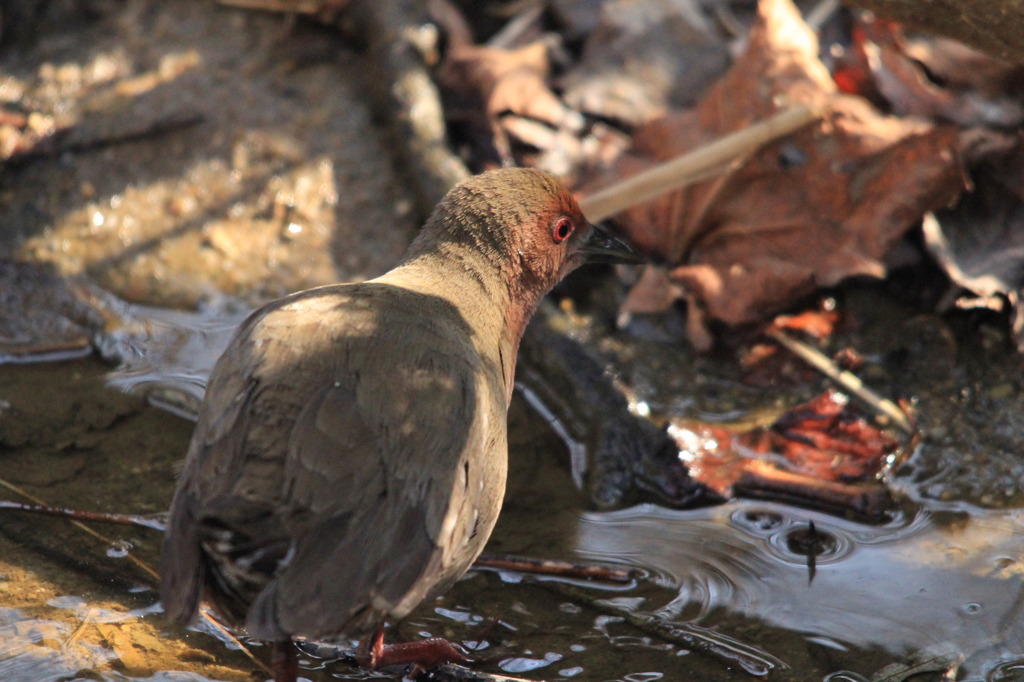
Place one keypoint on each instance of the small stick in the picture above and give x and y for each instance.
(821, 13)
(152, 522)
(78, 347)
(84, 528)
(729, 651)
(695, 164)
(846, 380)
(507, 563)
(456, 673)
(552, 567)
(80, 630)
(204, 613)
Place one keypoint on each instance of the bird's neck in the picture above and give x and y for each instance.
(496, 304)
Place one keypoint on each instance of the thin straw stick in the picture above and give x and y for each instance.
(847, 380)
(694, 165)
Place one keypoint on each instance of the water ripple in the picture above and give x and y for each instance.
(920, 580)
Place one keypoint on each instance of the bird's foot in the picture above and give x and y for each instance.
(283, 662)
(425, 653)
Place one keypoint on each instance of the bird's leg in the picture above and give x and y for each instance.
(426, 653)
(283, 662)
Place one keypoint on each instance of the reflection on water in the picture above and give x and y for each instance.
(39, 650)
(167, 355)
(32, 649)
(932, 582)
(933, 590)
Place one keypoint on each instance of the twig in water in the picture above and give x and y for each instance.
(80, 630)
(155, 522)
(846, 380)
(158, 522)
(456, 673)
(82, 527)
(563, 569)
(708, 642)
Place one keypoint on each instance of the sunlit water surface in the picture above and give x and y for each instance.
(934, 590)
(945, 583)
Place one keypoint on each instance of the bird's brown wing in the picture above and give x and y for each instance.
(217, 443)
(335, 462)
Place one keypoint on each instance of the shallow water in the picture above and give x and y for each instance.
(936, 588)
(930, 581)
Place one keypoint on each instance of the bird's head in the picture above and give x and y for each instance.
(525, 223)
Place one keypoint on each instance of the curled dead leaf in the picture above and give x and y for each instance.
(821, 453)
(822, 205)
(490, 83)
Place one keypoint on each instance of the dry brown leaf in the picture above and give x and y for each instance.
(643, 57)
(783, 233)
(493, 82)
(821, 453)
(654, 292)
(824, 204)
(962, 67)
(899, 77)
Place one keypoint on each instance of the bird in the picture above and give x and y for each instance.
(350, 455)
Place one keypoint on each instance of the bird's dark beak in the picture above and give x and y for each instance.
(602, 246)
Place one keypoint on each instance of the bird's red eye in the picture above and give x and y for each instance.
(561, 230)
